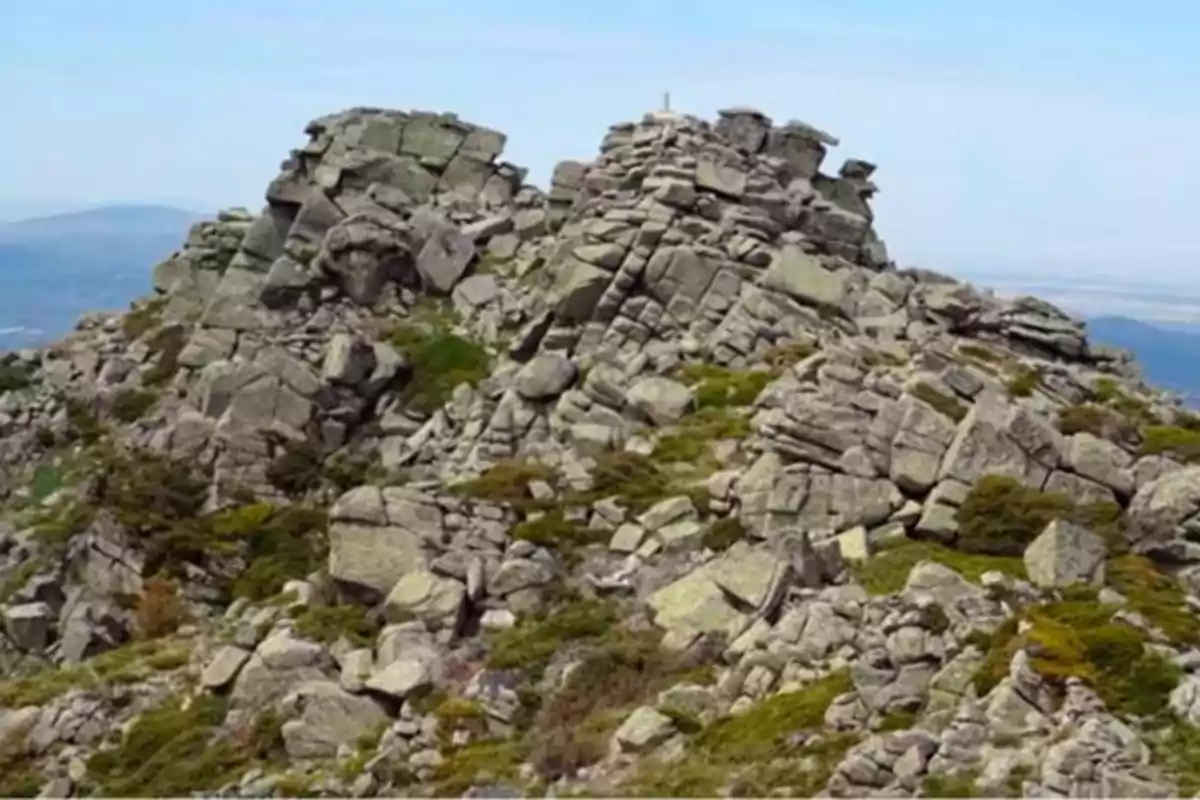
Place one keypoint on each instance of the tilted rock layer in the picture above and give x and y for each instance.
(676, 432)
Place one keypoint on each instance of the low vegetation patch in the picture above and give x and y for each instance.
(533, 643)
(179, 748)
(1107, 392)
(1157, 597)
(553, 530)
(83, 425)
(46, 481)
(130, 663)
(439, 361)
(165, 348)
(1001, 516)
(887, 570)
(691, 440)
(1176, 748)
(616, 673)
(1080, 639)
(130, 405)
(721, 387)
(327, 624)
(753, 754)
(1024, 381)
(1098, 421)
(635, 481)
(143, 318)
(724, 533)
(13, 376)
(941, 401)
(478, 762)
(161, 502)
(1178, 443)
(507, 483)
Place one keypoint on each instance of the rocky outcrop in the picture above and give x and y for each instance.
(516, 485)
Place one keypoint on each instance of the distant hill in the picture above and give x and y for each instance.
(54, 268)
(1169, 353)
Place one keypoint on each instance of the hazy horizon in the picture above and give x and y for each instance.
(1033, 136)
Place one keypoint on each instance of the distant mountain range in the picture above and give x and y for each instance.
(54, 268)
(1168, 352)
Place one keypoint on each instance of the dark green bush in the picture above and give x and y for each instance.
(297, 468)
(143, 318)
(1181, 444)
(531, 644)
(130, 405)
(724, 533)
(326, 624)
(941, 401)
(13, 377)
(179, 748)
(1024, 381)
(438, 361)
(1098, 421)
(1001, 516)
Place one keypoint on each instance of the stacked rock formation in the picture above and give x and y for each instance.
(682, 399)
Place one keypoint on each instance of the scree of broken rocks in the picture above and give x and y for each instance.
(665, 481)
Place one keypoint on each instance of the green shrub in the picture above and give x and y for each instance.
(1157, 597)
(1178, 443)
(940, 401)
(554, 531)
(720, 387)
(635, 481)
(762, 732)
(530, 645)
(466, 766)
(887, 570)
(978, 352)
(177, 749)
(507, 483)
(1024, 381)
(1107, 392)
(439, 361)
(1079, 639)
(1176, 747)
(617, 673)
(130, 405)
(83, 424)
(296, 468)
(1098, 421)
(1001, 516)
(724, 533)
(19, 776)
(161, 502)
(327, 624)
(290, 542)
(18, 577)
(130, 663)
(956, 785)
(141, 319)
(691, 440)
(13, 377)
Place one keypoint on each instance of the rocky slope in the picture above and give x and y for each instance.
(667, 481)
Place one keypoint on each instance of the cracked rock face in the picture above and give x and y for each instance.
(422, 464)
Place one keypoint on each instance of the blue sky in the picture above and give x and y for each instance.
(1022, 136)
